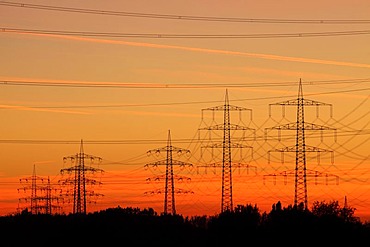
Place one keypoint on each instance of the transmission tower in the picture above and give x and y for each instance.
(300, 148)
(169, 177)
(80, 177)
(41, 198)
(226, 145)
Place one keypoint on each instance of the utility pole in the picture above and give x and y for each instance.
(227, 146)
(300, 148)
(41, 198)
(80, 176)
(169, 177)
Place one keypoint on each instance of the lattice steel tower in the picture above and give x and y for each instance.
(300, 149)
(227, 145)
(41, 198)
(169, 177)
(80, 178)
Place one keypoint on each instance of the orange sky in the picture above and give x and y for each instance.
(122, 95)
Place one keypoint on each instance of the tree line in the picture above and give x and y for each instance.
(324, 223)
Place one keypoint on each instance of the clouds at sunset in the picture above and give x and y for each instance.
(203, 50)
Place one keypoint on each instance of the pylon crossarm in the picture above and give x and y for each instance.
(156, 178)
(181, 178)
(155, 164)
(284, 103)
(164, 163)
(293, 149)
(222, 126)
(295, 102)
(317, 149)
(67, 181)
(182, 191)
(312, 126)
(92, 181)
(28, 179)
(239, 165)
(232, 145)
(229, 107)
(92, 169)
(168, 148)
(313, 173)
(152, 192)
(288, 126)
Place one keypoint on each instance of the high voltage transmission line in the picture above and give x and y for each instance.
(184, 36)
(159, 141)
(173, 85)
(182, 17)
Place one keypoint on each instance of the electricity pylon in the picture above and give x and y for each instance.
(227, 145)
(300, 148)
(41, 198)
(80, 178)
(169, 177)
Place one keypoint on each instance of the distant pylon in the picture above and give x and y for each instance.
(227, 145)
(80, 172)
(41, 199)
(169, 187)
(300, 149)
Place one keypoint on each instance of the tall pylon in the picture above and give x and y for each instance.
(41, 198)
(227, 145)
(300, 148)
(169, 206)
(79, 172)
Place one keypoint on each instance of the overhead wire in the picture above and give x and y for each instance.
(184, 36)
(182, 17)
(174, 85)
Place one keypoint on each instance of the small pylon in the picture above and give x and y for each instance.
(41, 198)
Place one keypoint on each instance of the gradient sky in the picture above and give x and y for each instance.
(121, 96)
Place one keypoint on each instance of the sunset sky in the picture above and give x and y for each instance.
(120, 75)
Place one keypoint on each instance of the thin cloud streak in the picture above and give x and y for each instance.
(24, 108)
(204, 50)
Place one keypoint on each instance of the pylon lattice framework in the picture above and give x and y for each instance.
(227, 145)
(300, 149)
(79, 179)
(41, 199)
(169, 206)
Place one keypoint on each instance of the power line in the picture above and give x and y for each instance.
(141, 85)
(172, 85)
(341, 133)
(185, 36)
(182, 17)
(145, 86)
